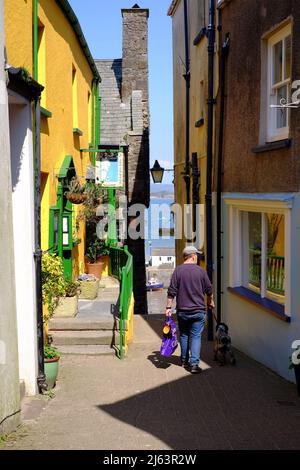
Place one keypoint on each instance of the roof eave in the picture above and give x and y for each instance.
(173, 7)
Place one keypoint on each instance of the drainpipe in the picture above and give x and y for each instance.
(187, 78)
(41, 379)
(224, 54)
(93, 113)
(210, 127)
(195, 191)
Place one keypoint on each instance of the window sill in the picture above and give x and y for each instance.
(270, 306)
(280, 144)
(46, 113)
(77, 131)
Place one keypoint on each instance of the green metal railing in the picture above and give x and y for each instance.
(275, 272)
(121, 267)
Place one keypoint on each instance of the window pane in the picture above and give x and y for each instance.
(277, 65)
(275, 257)
(254, 224)
(288, 53)
(281, 113)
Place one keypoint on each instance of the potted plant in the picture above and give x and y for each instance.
(76, 193)
(68, 305)
(89, 286)
(94, 194)
(96, 249)
(51, 358)
(295, 364)
(53, 284)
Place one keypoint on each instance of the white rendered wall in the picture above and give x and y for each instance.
(254, 331)
(9, 370)
(23, 221)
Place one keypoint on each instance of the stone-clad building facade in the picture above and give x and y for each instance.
(125, 122)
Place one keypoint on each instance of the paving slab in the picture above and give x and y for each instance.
(148, 402)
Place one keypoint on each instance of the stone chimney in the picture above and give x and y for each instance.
(135, 96)
(135, 52)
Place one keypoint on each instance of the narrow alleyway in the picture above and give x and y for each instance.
(147, 403)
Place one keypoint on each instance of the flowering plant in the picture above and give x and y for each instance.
(53, 283)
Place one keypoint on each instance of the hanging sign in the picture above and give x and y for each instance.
(110, 169)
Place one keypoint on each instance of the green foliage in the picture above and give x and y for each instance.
(71, 288)
(76, 241)
(95, 249)
(25, 75)
(50, 394)
(95, 196)
(53, 282)
(50, 352)
(75, 186)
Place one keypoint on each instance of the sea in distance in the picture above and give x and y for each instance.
(164, 195)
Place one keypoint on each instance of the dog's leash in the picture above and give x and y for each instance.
(216, 320)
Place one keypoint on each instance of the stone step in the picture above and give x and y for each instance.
(84, 350)
(77, 324)
(85, 337)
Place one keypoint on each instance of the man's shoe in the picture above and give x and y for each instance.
(184, 364)
(195, 369)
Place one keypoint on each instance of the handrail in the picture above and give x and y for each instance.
(121, 267)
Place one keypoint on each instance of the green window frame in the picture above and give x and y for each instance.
(54, 226)
(67, 233)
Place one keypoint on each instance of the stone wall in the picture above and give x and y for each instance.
(135, 92)
(135, 52)
(276, 170)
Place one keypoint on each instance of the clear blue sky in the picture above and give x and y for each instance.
(101, 22)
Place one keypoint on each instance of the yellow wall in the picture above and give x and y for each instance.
(130, 327)
(198, 101)
(18, 33)
(62, 52)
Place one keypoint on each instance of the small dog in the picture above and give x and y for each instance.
(222, 345)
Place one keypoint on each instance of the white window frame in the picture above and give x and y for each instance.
(236, 207)
(273, 133)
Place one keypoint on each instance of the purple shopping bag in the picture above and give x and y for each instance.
(169, 340)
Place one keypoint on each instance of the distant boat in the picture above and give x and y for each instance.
(154, 284)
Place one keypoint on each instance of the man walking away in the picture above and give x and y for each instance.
(189, 284)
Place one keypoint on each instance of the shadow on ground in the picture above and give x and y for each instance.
(241, 407)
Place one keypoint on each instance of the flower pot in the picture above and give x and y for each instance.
(89, 289)
(51, 371)
(67, 307)
(297, 377)
(95, 268)
(76, 198)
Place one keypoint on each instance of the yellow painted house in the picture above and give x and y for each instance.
(190, 78)
(45, 38)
